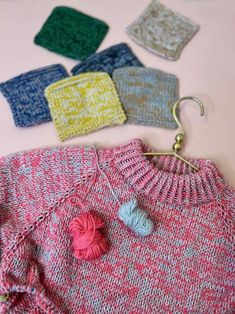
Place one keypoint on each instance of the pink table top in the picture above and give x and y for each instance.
(206, 69)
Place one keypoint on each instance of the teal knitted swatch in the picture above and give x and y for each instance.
(71, 33)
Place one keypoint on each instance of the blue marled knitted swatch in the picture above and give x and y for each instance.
(25, 94)
(147, 95)
(108, 60)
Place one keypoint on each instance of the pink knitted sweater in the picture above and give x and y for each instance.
(187, 265)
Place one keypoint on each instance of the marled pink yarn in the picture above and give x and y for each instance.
(185, 266)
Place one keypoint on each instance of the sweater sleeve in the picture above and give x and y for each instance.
(32, 181)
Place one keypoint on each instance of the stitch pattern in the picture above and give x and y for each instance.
(147, 95)
(108, 60)
(28, 229)
(25, 94)
(71, 33)
(83, 104)
(162, 31)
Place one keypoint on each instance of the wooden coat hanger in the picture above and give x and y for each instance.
(180, 136)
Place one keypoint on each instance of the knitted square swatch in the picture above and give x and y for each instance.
(162, 31)
(71, 33)
(147, 95)
(108, 60)
(82, 104)
(25, 94)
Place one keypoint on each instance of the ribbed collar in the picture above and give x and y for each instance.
(166, 178)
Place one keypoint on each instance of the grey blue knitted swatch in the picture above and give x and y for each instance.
(25, 94)
(147, 95)
(71, 33)
(162, 31)
(108, 60)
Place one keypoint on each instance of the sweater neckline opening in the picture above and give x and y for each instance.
(166, 178)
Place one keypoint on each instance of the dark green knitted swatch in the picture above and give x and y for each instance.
(71, 33)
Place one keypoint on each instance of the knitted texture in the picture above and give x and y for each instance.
(185, 266)
(25, 94)
(71, 33)
(83, 104)
(147, 95)
(162, 31)
(108, 60)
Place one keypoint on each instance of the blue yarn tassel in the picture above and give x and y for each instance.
(135, 218)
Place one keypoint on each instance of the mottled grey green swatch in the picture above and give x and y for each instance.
(162, 31)
(147, 95)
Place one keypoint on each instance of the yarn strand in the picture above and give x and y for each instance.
(107, 179)
(132, 216)
(88, 242)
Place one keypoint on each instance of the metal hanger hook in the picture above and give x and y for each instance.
(180, 136)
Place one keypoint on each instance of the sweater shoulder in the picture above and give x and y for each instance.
(39, 176)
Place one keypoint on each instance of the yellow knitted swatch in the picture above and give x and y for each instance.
(82, 104)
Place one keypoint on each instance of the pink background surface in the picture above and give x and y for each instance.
(206, 69)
